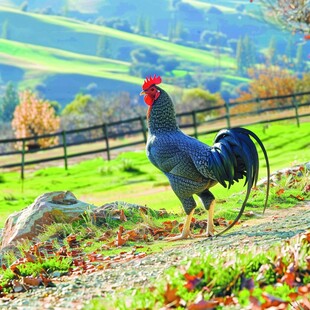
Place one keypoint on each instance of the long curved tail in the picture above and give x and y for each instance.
(234, 156)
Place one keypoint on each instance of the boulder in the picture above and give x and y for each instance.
(48, 208)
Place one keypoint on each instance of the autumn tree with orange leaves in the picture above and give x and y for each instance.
(270, 82)
(34, 117)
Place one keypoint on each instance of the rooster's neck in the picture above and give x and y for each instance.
(161, 116)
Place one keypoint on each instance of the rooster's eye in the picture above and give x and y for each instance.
(152, 89)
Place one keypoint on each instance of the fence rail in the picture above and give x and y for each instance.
(297, 104)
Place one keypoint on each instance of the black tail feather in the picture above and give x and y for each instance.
(234, 155)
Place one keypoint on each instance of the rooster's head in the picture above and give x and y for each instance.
(150, 91)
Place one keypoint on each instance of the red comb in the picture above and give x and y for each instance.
(148, 82)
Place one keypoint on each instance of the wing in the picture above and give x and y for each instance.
(174, 153)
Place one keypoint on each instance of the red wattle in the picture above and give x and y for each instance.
(148, 100)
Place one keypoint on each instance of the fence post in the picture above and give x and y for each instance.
(144, 130)
(23, 160)
(195, 124)
(64, 142)
(106, 137)
(258, 105)
(295, 103)
(227, 114)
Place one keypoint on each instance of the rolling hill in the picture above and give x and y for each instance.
(69, 49)
(62, 55)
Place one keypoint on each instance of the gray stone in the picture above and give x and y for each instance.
(48, 208)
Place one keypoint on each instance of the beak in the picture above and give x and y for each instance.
(142, 93)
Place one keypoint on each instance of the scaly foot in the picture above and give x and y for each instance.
(180, 237)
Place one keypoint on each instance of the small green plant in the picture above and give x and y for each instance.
(127, 165)
(105, 170)
(9, 197)
(2, 179)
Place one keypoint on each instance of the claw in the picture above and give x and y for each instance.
(186, 229)
(179, 237)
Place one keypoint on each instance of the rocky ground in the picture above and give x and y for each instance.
(75, 292)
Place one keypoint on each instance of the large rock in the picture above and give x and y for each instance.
(46, 209)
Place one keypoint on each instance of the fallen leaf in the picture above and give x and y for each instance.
(30, 280)
(15, 269)
(203, 304)
(171, 296)
(169, 225)
(298, 197)
(120, 240)
(122, 216)
(193, 280)
(106, 235)
(280, 192)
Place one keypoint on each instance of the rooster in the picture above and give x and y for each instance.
(193, 167)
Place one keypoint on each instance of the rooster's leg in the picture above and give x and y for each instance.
(186, 229)
(208, 201)
(210, 225)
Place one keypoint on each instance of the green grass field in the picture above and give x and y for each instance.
(131, 178)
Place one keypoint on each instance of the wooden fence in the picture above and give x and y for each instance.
(113, 135)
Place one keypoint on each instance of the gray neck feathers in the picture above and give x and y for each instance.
(162, 117)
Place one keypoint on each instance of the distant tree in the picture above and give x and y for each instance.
(272, 51)
(78, 105)
(177, 32)
(65, 9)
(241, 68)
(232, 43)
(228, 92)
(119, 23)
(289, 49)
(24, 6)
(143, 25)
(198, 98)
(144, 55)
(5, 30)
(103, 47)
(171, 34)
(56, 106)
(33, 117)
(8, 103)
(249, 52)
(169, 63)
(47, 11)
(299, 58)
(213, 84)
(245, 54)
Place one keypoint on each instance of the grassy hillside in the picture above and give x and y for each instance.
(70, 49)
(78, 36)
(131, 178)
